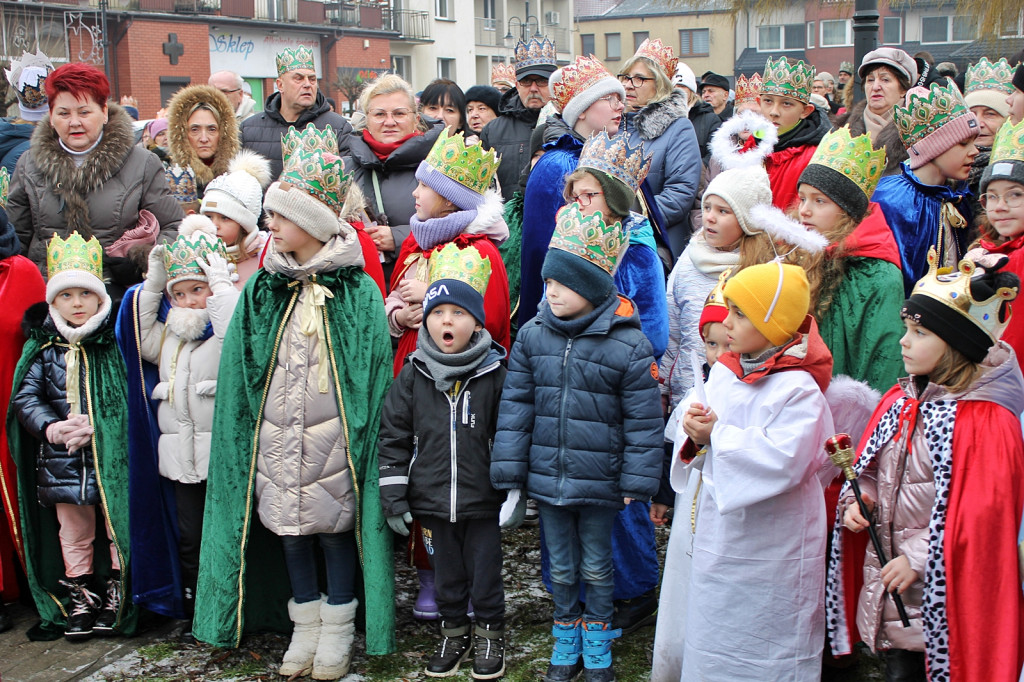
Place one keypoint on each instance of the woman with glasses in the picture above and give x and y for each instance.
(658, 115)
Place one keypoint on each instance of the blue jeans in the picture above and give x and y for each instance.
(340, 557)
(579, 543)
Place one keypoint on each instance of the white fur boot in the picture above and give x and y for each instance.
(334, 652)
(299, 657)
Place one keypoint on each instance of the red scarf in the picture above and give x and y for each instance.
(384, 149)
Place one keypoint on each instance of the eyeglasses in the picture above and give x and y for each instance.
(613, 99)
(635, 81)
(1014, 199)
(584, 198)
(398, 115)
(533, 80)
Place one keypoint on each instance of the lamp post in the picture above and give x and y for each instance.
(523, 29)
(865, 39)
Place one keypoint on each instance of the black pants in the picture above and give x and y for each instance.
(191, 501)
(467, 563)
(904, 666)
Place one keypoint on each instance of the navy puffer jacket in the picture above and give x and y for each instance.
(580, 419)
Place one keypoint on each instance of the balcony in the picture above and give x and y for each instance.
(491, 33)
(410, 24)
(488, 32)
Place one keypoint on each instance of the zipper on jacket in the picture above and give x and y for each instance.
(84, 477)
(561, 421)
(453, 405)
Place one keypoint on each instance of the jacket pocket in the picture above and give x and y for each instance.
(207, 388)
(160, 391)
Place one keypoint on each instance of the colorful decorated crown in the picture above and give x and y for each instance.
(717, 295)
(503, 73)
(309, 139)
(614, 156)
(537, 52)
(788, 80)
(854, 157)
(1009, 143)
(748, 89)
(577, 77)
(988, 76)
(180, 257)
(290, 59)
(465, 265)
(5, 186)
(74, 254)
(31, 96)
(924, 115)
(320, 174)
(659, 54)
(847, 67)
(954, 290)
(588, 237)
(182, 183)
(470, 165)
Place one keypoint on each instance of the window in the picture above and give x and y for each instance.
(934, 29)
(400, 65)
(769, 38)
(490, 23)
(694, 42)
(446, 68)
(892, 31)
(835, 33)
(586, 44)
(612, 46)
(961, 29)
(787, 37)
(794, 36)
(810, 34)
(1012, 26)
(965, 29)
(442, 9)
(638, 38)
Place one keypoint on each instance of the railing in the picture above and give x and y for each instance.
(411, 24)
(488, 32)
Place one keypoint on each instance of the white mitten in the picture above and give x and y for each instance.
(156, 273)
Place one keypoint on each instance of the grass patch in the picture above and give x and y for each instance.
(154, 653)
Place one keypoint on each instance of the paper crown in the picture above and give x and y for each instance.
(5, 186)
(503, 74)
(31, 95)
(748, 89)
(182, 183)
(659, 54)
(465, 265)
(577, 77)
(1009, 143)
(853, 157)
(588, 237)
(308, 140)
(320, 174)
(537, 52)
(614, 156)
(924, 115)
(74, 254)
(300, 57)
(717, 295)
(787, 80)
(181, 255)
(954, 290)
(470, 165)
(988, 76)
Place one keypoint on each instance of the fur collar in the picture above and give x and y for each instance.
(489, 218)
(656, 117)
(73, 185)
(177, 131)
(91, 326)
(189, 324)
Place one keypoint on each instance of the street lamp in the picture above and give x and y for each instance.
(523, 29)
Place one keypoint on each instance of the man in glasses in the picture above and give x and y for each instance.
(298, 101)
(233, 87)
(518, 111)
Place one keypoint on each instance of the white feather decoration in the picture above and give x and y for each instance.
(783, 228)
(725, 145)
(851, 403)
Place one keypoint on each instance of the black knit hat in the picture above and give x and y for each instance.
(1011, 170)
(837, 187)
(485, 94)
(457, 293)
(586, 279)
(617, 195)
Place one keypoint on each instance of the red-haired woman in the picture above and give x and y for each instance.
(83, 172)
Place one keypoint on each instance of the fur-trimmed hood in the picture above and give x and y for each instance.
(182, 153)
(655, 118)
(489, 218)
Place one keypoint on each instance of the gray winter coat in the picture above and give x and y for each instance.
(509, 135)
(888, 138)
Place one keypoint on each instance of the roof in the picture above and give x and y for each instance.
(993, 49)
(646, 8)
(751, 61)
(593, 8)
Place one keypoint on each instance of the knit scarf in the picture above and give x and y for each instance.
(873, 123)
(573, 328)
(446, 368)
(384, 149)
(752, 364)
(433, 231)
(710, 261)
(979, 166)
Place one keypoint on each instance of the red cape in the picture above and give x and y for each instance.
(872, 238)
(784, 169)
(1014, 332)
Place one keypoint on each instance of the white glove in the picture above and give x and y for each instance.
(400, 523)
(217, 272)
(156, 273)
(513, 509)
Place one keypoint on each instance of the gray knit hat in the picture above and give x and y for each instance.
(742, 189)
(238, 193)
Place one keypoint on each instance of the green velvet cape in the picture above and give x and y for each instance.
(511, 254)
(238, 554)
(38, 545)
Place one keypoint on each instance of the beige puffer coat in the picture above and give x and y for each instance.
(303, 482)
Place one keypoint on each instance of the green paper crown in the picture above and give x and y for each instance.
(180, 257)
(309, 139)
(854, 157)
(588, 237)
(1009, 143)
(788, 80)
(471, 165)
(319, 174)
(290, 59)
(924, 115)
(74, 254)
(988, 76)
(5, 186)
(465, 265)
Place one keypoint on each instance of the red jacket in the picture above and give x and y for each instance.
(1014, 332)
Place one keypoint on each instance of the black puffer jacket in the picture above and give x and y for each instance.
(41, 401)
(435, 449)
(509, 135)
(262, 132)
(705, 122)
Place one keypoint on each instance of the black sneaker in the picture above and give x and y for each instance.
(84, 605)
(532, 517)
(455, 647)
(488, 651)
(633, 614)
(6, 622)
(104, 625)
(563, 673)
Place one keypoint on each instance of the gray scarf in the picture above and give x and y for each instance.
(752, 364)
(447, 368)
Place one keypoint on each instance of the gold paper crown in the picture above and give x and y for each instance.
(535, 53)
(180, 257)
(470, 165)
(5, 186)
(74, 254)
(659, 54)
(503, 74)
(614, 156)
(1009, 143)
(717, 295)
(577, 77)
(748, 89)
(988, 76)
(588, 237)
(465, 265)
(954, 290)
(854, 158)
(924, 115)
(788, 80)
(290, 59)
(309, 140)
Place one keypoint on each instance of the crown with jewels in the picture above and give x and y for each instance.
(924, 115)
(309, 140)
(614, 156)
(660, 54)
(853, 157)
(504, 74)
(588, 237)
(537, 52)
(182, 183)
(577, 77)
(954, 290)
(470, 165)
(180, 256)
(300, 57)
(462, 264)
(74, 254)
(717, 295)
(988, 76)
(748, 89)
(788, 80)
(1009, 143)
(31, 95)
(320, 174)
(5, 186)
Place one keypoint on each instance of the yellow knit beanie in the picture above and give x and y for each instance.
(775, 297)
